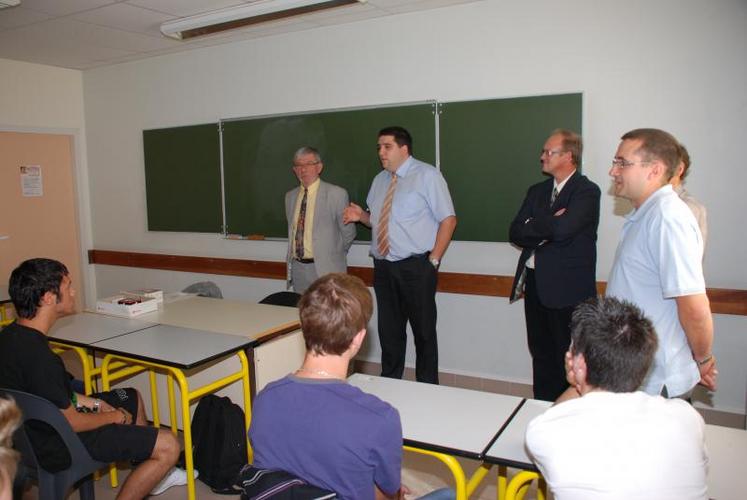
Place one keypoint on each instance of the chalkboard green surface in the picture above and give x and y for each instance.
(490, 156)
(258, 159)
(182, 179)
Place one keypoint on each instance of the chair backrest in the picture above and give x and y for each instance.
(288, 299)
(37, 408)
(205, 289)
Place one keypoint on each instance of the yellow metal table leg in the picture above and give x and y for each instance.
(154, 398)
(518, 485)
(172, 402)
(247, 403)
(477, 478)
(502, 482)
(106, 387)
(460, 480)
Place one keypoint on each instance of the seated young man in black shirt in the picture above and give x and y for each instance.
(111, 425)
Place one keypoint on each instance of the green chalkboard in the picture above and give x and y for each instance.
(182, 179)
(258, 156)
(490, 156)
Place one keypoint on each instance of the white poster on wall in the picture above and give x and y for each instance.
(31, 180)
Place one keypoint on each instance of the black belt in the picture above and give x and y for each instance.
(305, 261)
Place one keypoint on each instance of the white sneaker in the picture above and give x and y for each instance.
(175, 477)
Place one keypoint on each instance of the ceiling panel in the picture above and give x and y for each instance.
(84, 34)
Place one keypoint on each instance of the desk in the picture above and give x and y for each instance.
(78, 331)
(280, 348)
(508, 446)
(4, 300)
(233, 317)
(444, 421)
(174, 349)
(727, 453)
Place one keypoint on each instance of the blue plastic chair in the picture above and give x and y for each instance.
(52, 485)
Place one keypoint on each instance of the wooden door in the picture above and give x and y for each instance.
(38, 226)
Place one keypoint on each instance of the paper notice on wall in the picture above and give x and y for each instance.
(31, 180)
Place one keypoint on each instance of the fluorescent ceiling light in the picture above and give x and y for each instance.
(239, 16)
(9, 3)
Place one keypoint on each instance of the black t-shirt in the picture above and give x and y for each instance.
(28, 364)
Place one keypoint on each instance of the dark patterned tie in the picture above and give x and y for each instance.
(382, 232)
(554, 195)
(300, 224)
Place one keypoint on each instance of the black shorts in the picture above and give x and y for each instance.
(120, 442)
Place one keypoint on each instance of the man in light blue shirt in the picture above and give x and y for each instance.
(412, 219)
(658, 264)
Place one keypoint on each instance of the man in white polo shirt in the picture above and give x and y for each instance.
(658, 264)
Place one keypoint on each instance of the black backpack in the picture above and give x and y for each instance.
(219, 443)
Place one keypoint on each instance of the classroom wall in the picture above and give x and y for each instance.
(44, 99)
(674, 64)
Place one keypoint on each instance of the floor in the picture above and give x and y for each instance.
(420, 474)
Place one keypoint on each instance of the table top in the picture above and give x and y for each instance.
(173, 345)
(439, 418)
(86, 328)
(232, 317)
(508, 447)
(727, 455)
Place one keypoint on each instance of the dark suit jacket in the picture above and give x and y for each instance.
(565, 265)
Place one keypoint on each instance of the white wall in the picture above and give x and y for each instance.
(46, 99)
(674, 64)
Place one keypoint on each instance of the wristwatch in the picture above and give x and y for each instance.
(435, 262)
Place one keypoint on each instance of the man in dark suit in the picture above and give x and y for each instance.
(556, 228)
(318, 241)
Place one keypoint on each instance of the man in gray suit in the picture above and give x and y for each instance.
(318, 241)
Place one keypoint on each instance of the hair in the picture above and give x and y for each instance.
(657, 145)
(333, 310)
(618, 343)
(31, 280)
(572, 143)
(10, 418)
(307, 150)
(685, 159)
(401, 136)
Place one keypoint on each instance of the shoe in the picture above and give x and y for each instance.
(175, 477)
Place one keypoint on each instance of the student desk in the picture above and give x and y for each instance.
(727, 453)
(279, 348)
(175, 349)
(79, 331)
(507, 450)
(4, 301)
(444, 421)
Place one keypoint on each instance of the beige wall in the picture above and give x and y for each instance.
(40, 99)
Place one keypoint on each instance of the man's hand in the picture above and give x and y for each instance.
(708, 374)
(354, 213)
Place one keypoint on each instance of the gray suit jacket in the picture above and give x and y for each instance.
(331, 238)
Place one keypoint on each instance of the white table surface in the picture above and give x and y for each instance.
(508, 448)
(727, 454)
(86, 328)
(439, 418)
(231, 317)
(173, 345)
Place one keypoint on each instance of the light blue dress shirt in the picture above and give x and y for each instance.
(659, 259)
(421, 201)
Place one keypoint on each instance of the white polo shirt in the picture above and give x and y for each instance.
(659, 258)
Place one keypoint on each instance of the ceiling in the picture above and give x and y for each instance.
(83, 34)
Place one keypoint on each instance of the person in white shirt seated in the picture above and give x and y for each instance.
(614, 442)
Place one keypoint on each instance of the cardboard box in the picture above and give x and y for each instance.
(111, 305)
(154, 293)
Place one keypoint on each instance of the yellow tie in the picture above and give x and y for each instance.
(382, 233)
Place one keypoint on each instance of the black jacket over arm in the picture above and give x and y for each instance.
(565, 264)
